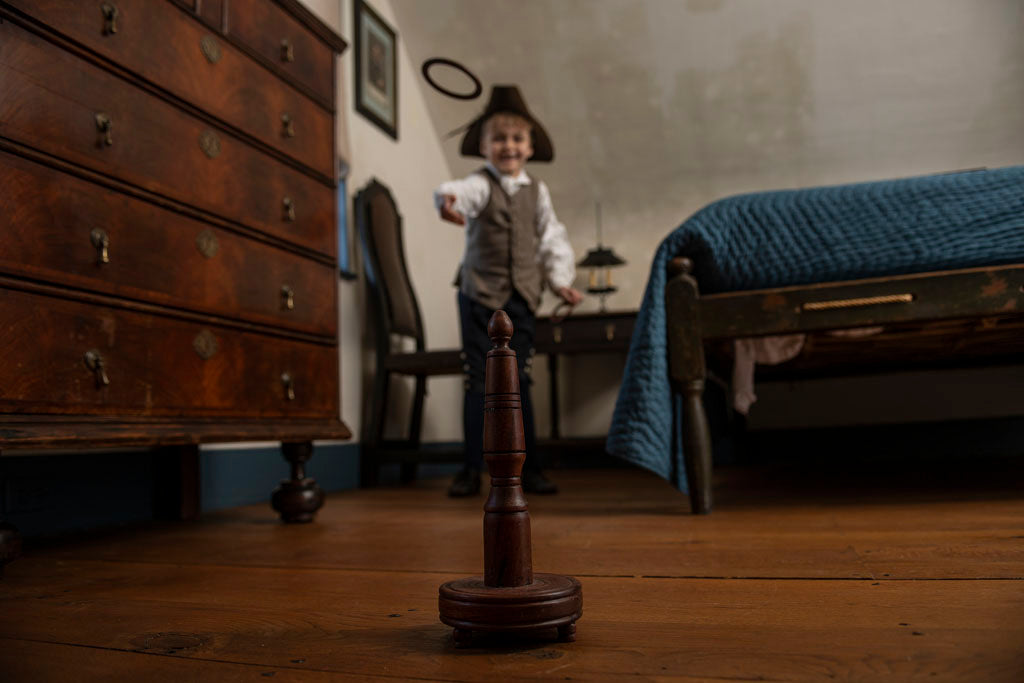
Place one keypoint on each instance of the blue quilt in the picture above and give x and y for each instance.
(793, 237)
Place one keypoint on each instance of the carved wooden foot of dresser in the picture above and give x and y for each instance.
(168, 273)
(298, 498)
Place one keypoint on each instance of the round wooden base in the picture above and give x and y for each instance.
(551, 601)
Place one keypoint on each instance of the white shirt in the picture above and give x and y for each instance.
(554, 253)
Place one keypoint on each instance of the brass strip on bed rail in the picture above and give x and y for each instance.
(854, 303)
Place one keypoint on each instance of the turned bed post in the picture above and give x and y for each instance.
(687, 372)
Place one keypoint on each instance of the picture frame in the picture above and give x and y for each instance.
(376, 68)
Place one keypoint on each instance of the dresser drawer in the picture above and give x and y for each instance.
(56, 102)
(587, 332)
(282, 41)
(67, 356)
(59, 226)
(171, 49)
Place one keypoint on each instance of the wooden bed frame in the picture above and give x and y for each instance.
(964, 317)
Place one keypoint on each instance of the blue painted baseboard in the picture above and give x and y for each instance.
(45, 495)
(229, 478)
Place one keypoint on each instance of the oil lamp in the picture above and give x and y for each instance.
(600, 261)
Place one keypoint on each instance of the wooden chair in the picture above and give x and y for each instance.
(396, 313)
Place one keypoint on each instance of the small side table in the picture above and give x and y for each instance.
(579, 334)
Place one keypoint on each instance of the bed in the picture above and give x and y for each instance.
(926, 259)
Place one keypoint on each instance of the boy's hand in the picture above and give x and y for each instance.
(448, 211)
(570, 296)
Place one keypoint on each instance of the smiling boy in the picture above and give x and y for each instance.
(514, 246)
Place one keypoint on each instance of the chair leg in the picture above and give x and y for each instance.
(369, 463)
(415, 428)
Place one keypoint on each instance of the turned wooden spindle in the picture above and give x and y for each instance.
(509, 596)
(507, 548)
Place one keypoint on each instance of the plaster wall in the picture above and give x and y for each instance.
(411, 167)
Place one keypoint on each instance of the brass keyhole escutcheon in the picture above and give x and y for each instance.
(205, 344)
(207, 243)
(289, 209)
(609, 332)
(287, 51)
(556, 333)
(210, 48)
(101, 241)
(105, 126)
(289, 386)
(209, 142)
(110, 13)
(94, 361)
(287, 297)
(287, 127)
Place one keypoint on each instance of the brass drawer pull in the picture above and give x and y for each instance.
(94, 361)
(288, 296)
(289, 209)
(289, 388)
(105, 126)
(856, 303)
(109, 18)
(287, 51)
(288, 128)
(609, 331)
(556, 333)
(101, 241)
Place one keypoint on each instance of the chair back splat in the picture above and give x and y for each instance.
(396, 312)
(380, 227)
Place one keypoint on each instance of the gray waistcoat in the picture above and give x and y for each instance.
(501, 248)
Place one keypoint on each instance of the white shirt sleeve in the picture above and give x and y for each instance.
(554, 253)
(471, 194)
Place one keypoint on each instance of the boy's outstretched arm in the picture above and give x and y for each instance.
(457, 201)
(448, 212)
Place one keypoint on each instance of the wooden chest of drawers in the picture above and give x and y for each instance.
(168, 212)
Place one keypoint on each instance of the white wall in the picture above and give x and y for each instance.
(411, 167)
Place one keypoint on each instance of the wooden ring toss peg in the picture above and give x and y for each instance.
(509, 596)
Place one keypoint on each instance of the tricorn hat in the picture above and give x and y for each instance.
(506, 99)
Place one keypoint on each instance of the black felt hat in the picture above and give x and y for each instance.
(506, 99)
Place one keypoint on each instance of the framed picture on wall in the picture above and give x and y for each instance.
(376, 78)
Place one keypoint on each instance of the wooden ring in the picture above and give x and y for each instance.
(477, 88)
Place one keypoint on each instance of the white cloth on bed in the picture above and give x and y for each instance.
(751, 350)
(773, 350)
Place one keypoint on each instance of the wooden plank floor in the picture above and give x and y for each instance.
(797, 575)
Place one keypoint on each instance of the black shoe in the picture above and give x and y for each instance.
(466, 483)
(536, 482)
